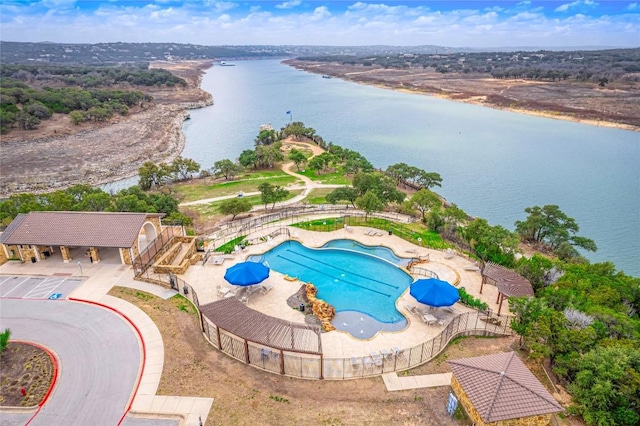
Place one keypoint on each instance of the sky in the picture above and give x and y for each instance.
(475, 23)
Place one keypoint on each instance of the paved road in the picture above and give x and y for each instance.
(99, 358)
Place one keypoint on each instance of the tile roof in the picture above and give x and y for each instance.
(509, 282)
(233, 316)
(75, 229)
(501, 387)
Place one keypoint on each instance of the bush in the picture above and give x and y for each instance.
(469, 300)
(4, 339)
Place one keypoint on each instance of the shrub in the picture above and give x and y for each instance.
(4, 339)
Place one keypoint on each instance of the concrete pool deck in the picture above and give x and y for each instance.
(337, 344)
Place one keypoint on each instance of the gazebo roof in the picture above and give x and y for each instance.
(75, 229)
(509, 282)
(501, 387)
(233, 316)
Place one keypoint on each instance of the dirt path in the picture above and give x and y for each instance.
(309, 185)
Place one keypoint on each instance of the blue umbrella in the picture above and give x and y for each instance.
(434, 292)
(246, 273)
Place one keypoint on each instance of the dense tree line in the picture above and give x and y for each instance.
(586, 322)
(88, 198)
(600, 66)
(91, 76)
(24, 107)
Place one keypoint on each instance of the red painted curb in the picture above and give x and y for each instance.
(54, 379)
(144, 348)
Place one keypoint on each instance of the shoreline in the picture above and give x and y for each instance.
(479, 100)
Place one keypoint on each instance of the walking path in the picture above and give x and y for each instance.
(393, 382)
(309, 185)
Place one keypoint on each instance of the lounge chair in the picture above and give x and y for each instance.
(355, 363)
(264, 289)
(217, 260)
(412, 309)
(399, 353)
(367, 361)
(387, 354)
(377, 358)
(244, 299)
(448, 254)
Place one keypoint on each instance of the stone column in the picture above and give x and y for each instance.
(94, 254)
(66, 255)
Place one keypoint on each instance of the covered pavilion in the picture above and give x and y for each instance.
(508, 281)
(34, 236)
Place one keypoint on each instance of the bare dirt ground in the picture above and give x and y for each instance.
(59, 154)
(244, 395)
(615, 105)
(24, 367)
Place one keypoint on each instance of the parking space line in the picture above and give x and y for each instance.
(21, 282)
(41, 290)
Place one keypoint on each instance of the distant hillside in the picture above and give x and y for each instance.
(110, 53)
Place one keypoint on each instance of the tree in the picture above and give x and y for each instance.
(425, 200)
(494, 243)
(383, 186)
(429, 179)
(151, 175)
(369, 202)
(77, 117)
(550, 226)
(267, 155)
(344, 193)
(266, 137)
(234, 207)
(183, 168)
(297, 157)
(316, 164)
(248, 158)
(531, 323)
(272, 194)
(606, 389)
(227, 168)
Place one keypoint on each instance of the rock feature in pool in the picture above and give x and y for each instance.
(321, 309)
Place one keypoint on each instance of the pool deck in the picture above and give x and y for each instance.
(337, 344)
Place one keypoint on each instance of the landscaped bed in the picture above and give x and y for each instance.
(26, 374)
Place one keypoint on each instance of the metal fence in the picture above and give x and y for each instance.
(147, 256)
(310, 366)
(341, 214)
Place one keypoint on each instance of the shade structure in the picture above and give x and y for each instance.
(434, 292)
(246, 273)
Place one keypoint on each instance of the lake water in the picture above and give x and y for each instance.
(493, 163)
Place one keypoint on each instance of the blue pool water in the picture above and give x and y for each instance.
(363, 288)
(379, 251)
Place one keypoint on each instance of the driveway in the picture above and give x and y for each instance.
(99, 358)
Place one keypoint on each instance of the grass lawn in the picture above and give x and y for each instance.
(210, 210)
(336, 178)
(318, 195)
(199, 189)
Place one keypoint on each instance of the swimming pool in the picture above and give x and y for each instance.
(379, 251)
(363, 288)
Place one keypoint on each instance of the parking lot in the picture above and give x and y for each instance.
(53, 287)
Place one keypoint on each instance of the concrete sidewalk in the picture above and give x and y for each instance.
(395, 383)
(98, 280)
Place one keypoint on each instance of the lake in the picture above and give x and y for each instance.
(493, 163)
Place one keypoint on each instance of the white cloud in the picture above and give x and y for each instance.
(289, 4)
(632, 6)
(320, 13)
(576, 3)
